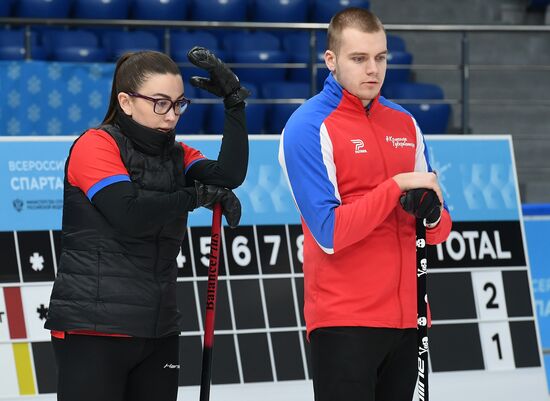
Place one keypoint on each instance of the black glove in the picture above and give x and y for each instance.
(222, 82)
(422, 203)
(209, 195)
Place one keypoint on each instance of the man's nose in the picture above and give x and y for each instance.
(371, 67)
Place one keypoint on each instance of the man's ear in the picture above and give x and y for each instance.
(330, 60)
(124, 103)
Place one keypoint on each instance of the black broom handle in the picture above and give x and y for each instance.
(422, 309)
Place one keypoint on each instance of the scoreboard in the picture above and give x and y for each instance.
(484, 342)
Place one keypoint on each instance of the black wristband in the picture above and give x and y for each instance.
(236, 97)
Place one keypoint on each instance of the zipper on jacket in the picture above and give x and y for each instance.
(367, 113)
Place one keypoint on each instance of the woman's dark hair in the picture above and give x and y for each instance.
(132, 70)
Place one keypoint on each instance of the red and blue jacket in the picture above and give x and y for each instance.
(359, 245)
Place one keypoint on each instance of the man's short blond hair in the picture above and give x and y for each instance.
(353, 17)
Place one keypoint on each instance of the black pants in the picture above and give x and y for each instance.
(363, 364)
(96, 368)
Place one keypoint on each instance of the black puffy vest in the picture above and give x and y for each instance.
(114, 283)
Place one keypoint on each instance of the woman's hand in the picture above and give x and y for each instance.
(222, 81)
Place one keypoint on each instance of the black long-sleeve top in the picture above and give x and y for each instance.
(129, 212)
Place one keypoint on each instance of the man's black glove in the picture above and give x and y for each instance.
(422, 203)
(222, 82)
(209, 195)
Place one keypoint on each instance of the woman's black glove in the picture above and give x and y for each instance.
(222, 82)
(422, 203)
(209, 195)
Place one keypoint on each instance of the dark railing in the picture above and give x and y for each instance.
(464, 67)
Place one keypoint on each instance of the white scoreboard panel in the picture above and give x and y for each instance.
(484, 341)
(481, 300)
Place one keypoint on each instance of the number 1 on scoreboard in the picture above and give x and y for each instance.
(496, 343)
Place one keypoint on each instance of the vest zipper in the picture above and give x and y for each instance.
(157, 282)
(97, 299)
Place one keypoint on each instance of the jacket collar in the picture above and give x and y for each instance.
(341, 98)
(147, 140)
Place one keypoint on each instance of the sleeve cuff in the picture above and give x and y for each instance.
(434, 224)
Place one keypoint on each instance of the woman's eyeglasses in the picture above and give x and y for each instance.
(162, 106)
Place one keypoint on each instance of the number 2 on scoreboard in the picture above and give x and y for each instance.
(489, 294)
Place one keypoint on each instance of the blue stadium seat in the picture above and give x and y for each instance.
(321, 78)
(181, 42)
(117, 43)
(192, 121)
(12, 46)
(285, 90)
(260, 75)
(396, 43)
(432, 118)
(12, 53)
(218, 10)
(18, 53)
(279, 113)
(73, 46)
(323, 10)
(191, 92)
(42, 8)
(412, 90)
(100, 9)
(296, 45)
(245, 41)
(303, 74)
(159, 9)
(55, 40)
(255, 118)
(80, 54)
(215, 119)
(402, 59)
(5, 9)
(15, 37)
(280, 11)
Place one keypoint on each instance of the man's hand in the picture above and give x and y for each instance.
(412, 180)
(222, 82)
(422, 203)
